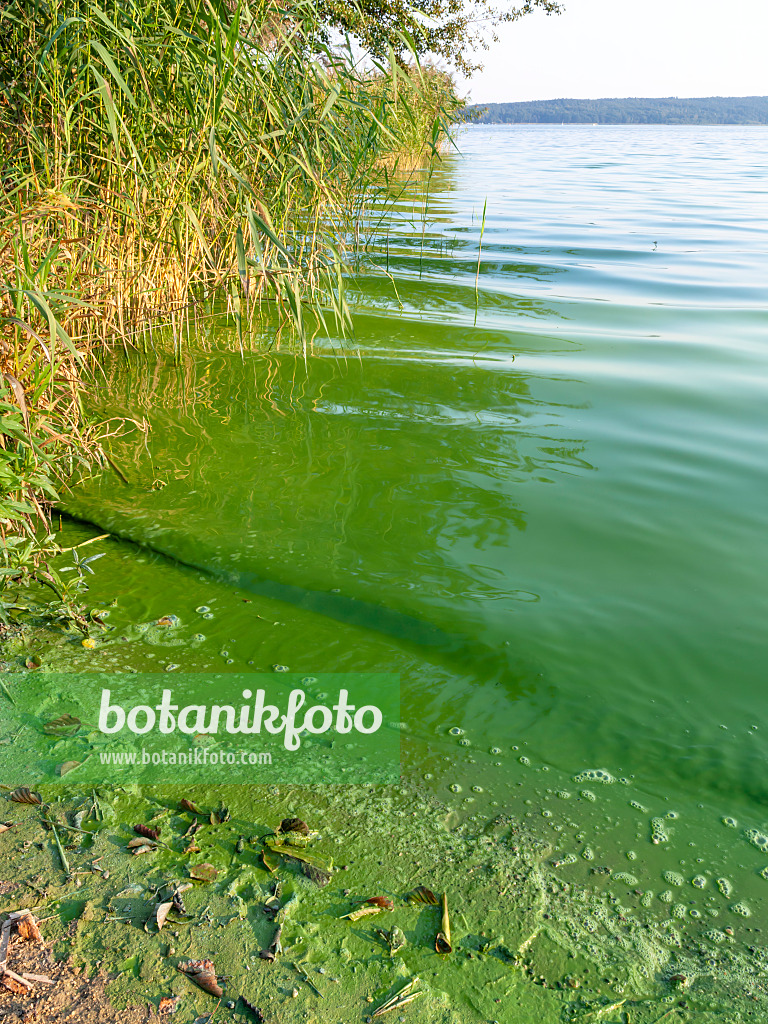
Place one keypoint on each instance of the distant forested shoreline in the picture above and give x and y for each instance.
(632, 110)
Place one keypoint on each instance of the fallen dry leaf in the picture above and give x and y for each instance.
(203, 872)
(293, 825)
(421, 894)
(27, 928)
(22, 795)
(64, 725)
(137, 843)
(379, 901)
(362, 912)
(203, 973)
(162, 913)
(17, 987)
(147, 832)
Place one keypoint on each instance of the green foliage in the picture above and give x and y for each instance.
(446, 29)
(181, 145)
(708, 110)
(155, 153)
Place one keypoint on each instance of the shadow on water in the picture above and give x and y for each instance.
(373, 491)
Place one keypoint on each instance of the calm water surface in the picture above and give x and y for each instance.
(534, 483)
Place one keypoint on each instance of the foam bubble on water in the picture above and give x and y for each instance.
(456, 731)
(631, 855)
(568, 858)
(588, 853)
(666, 896)
(624, 876)
(673, 878)
(545, 813)
(524, 760)
(741, 909)
(724, 886)
(679, 910)
(647, 898)
(672, 815)
(764, 872)
(202, 609)
(495, 750)
(464, 742)
(587, 794)
(477, 789)
(455, 787)
(594, 775)
(208, 615)
(637, 806)
(715, 935)
(658, 834)
(757, 838)
(698, 881)
(730, 822)
(563, 794)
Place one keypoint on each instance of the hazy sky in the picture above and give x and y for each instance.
(629, 48)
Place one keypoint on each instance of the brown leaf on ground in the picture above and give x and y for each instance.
(162, 913)
(169, 1004)
(147, 832)
(17, 987)
(421, 894)
(379, 901)
(64, 725)
(317, 875)
(203, 973)
(203, 872)
(27, 928)
(260, 1018)
(23, 795)
(293, 825)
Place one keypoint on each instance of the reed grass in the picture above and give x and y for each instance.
(155, 152)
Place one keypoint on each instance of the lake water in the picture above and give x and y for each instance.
(534, 483)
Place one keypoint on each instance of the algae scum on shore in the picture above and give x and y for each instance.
(199, 906)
